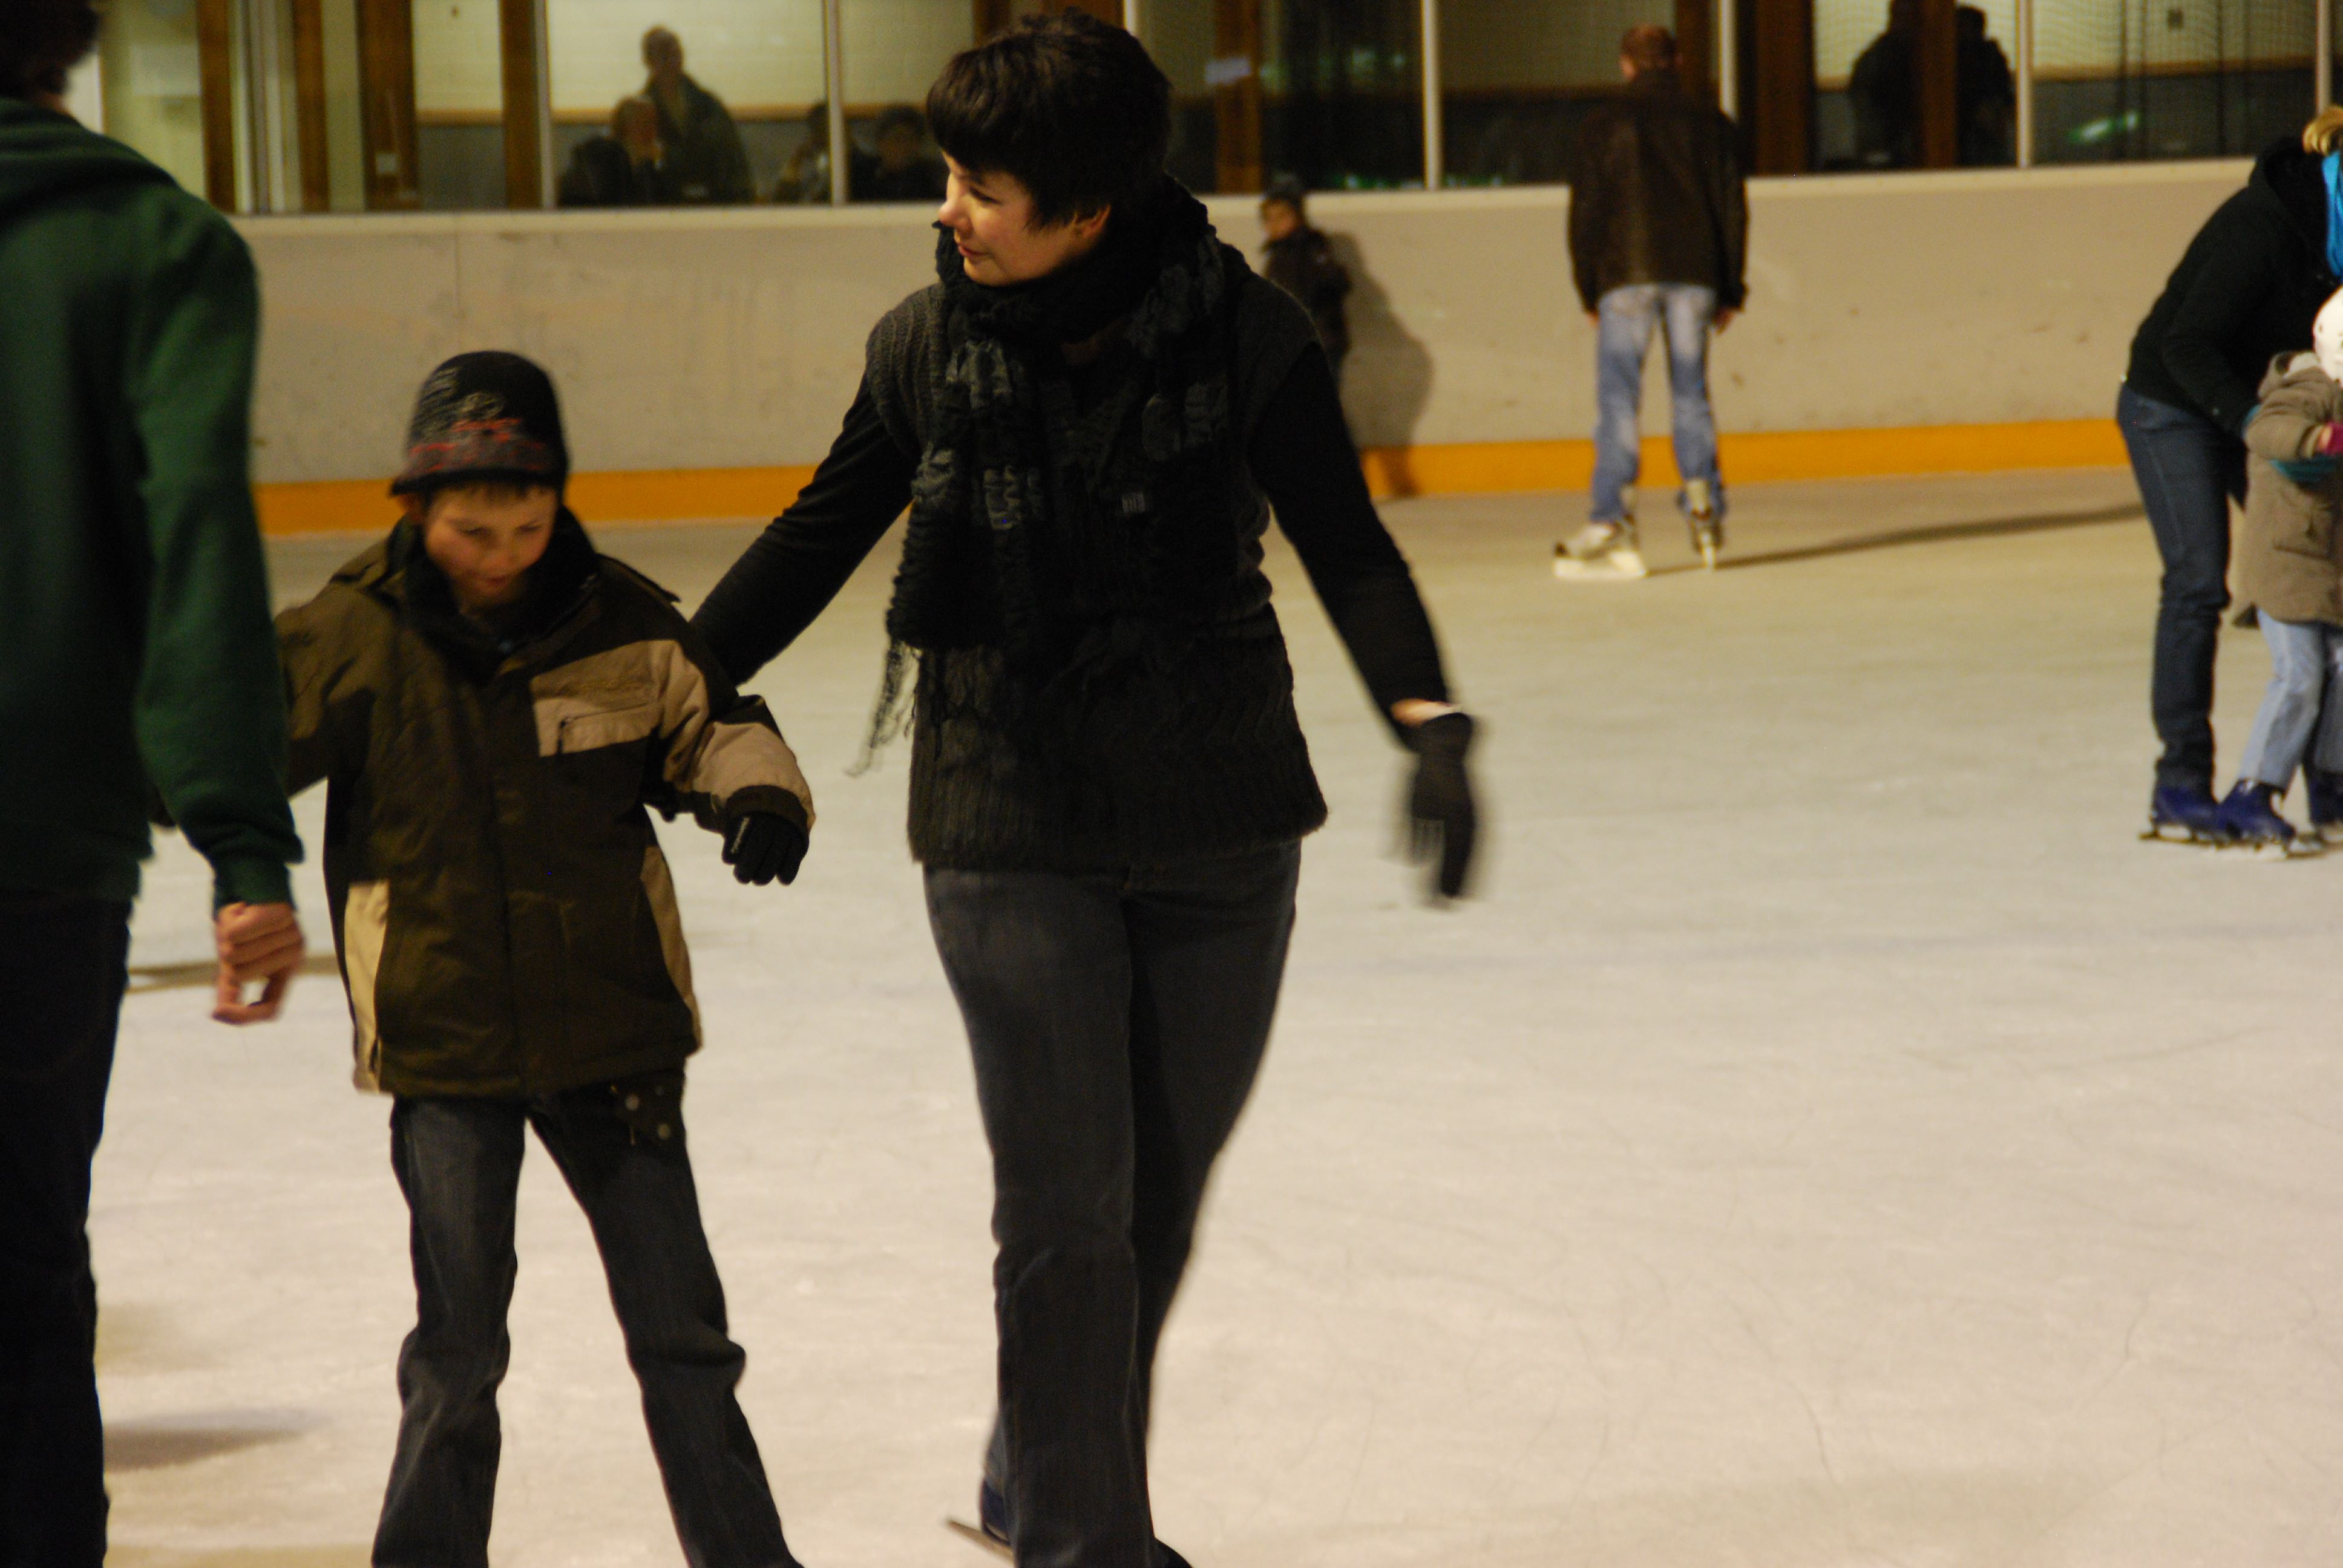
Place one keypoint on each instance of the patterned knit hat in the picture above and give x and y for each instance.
(485, 415)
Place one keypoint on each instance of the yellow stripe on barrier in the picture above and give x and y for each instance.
(1753, 457)
(709, 495)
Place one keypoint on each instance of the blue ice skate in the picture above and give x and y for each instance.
(2183, 816)
(2250, 819)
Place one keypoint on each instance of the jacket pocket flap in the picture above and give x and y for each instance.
(584, 719)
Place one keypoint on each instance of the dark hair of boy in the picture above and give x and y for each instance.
(1069, 106)
(40, 41)
(1290, 192)
(1649, 48)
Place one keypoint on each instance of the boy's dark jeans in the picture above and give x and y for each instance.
(458, 1163)
(2188, 469)
(61, 981)
(1117, 1022)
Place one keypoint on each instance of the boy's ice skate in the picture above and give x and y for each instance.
(2249, 819)
(1702, 516)
(1600, 552)
(2181, 815)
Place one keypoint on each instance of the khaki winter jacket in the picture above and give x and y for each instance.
(504, 921)
(2290, 555)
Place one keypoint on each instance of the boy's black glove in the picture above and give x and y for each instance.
(762, 845)
(1441, 802)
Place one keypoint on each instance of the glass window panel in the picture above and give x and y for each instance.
(894, 50)
(1326, 92)
(1868, 113)
(2122, 79)
(459, 105)
(1514, 79)
(152, 84)
(723, 122)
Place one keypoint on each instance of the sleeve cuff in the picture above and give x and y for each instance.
(250, 882)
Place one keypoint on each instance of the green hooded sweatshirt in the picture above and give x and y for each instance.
(138, 653)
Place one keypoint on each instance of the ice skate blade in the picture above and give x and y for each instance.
(2302, 849)
(1708, 558)
(2175, 833)
(1618, 567)
(974, 1536)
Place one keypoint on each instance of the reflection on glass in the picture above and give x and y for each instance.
(685, 102)
(2118, 79)
(1329, 92)
(1871, 60)
(1514, 81)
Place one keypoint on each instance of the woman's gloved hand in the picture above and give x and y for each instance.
(760, 845)
(1440, 803)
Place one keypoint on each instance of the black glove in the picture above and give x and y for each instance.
(762, 845)
(1441, 801)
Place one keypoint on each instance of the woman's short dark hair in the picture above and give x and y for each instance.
(40, 41)
(1069, 106)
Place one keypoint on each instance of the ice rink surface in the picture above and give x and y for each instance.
(1833, 1139)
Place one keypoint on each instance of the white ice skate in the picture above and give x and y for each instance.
(1600, 552)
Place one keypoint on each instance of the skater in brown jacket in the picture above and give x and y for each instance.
(493, 704)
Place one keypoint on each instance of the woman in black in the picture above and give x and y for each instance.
(2248, 287)
(1089, 415)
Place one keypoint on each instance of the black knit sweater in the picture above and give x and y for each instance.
(1195, 756)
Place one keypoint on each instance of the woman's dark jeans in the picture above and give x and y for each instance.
(2188, 469)
(61, 981)
(458, 1163)
(1117, 1021)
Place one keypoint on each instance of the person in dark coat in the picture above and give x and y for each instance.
(2248, 287)
(627, 167)
(705, 157)
(139, 670)
(1090, 415)
(1884, 90)
(1659, 234)
(1300, 260)
(1985, 94)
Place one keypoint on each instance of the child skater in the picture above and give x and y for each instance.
(493, 703)
(2290, 563)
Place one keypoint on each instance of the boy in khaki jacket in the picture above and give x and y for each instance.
(2290, 566)
(493, 704)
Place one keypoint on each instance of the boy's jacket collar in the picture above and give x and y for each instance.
(561, 595)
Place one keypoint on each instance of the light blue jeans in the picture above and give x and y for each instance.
(2304, 656)
(1623, 337)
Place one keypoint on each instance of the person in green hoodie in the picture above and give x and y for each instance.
(140, 664)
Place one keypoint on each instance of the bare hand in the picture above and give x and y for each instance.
(1728, 316)
(1593, 318)
(259, 942)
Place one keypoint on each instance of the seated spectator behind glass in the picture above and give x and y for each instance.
(1986, 91)
(1883, 88)
(1300, 260)
(805, 176)
(627, 167)
(905, 170)
(704, 155)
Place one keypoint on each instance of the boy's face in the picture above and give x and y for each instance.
(1278, 219)
(991, 215)
(485, 541)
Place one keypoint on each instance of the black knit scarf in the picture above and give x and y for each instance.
(1011, 473)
